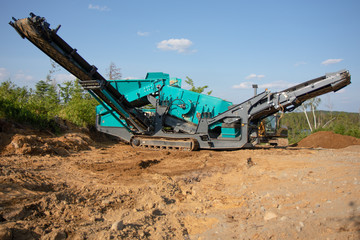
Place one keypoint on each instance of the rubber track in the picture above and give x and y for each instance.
(166, 143)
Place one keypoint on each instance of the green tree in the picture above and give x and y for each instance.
(79, 107)
(16, 103)
(45, 99)
(66, 91)
(190, 82)
(13, 93)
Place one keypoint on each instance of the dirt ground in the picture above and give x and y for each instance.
(71, 187)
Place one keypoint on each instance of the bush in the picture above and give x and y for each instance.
(40, 107)
(81, 112)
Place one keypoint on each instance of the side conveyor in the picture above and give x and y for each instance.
(267, 103)
(288, 99)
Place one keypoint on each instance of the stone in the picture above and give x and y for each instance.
(118, 225)
(269, 215)
(5, 233)
(60, 235)
(55, 235)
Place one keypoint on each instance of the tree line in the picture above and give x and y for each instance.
(48, 101)
(301, 125)
(40, 107)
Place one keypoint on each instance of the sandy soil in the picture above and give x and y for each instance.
(112, 191)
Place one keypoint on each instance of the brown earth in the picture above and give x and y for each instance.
(92, 190)
(326, 139)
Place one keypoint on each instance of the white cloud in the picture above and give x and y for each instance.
(243, 85)
(331, 61)
(272, 85)
(277, 84)
(21, 76)
(181, 45)
(253, 75)
(4, 74)
(98, 8)
(64, 77)
(143, 34)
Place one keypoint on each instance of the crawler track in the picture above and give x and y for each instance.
(161, 143)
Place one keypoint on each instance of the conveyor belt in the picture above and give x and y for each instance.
(343, 81)
(290, 98)
(38, 32)
(267, 103)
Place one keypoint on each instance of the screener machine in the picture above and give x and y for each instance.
(157, 113)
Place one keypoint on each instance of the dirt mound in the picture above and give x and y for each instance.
(19, 139)
(327, 139)
(35, 145)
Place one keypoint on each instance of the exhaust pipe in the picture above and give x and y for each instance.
(255, 87)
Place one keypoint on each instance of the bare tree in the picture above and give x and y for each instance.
(113, 72)
(50, 76)
(304, 107)
(329, 121)
(329, 104)
(314, 103)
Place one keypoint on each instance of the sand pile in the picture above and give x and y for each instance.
(21, 139)
(35, 145)
(327, 139)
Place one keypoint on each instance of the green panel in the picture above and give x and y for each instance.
(138, 89)
(230, 132)
(182, 103)
(190, 105)
(108, 120)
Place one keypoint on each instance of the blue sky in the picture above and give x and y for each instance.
(227, 45)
